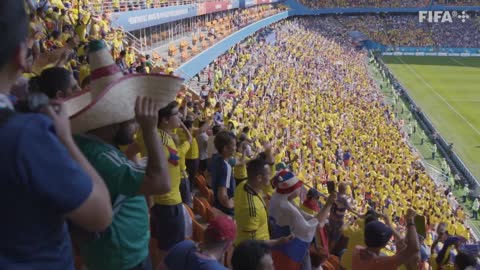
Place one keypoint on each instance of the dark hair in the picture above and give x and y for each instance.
(70, 40)
(188, 124)
(82, 58)
(55, 34)
(248, 254)
(246, 129)
(222, 139)
(464, 260)
(313, 194)
(256, 167)
(14, 29)
(216, 129)
(141, 69)
(370, 217)
(242, 137)
(166, 111)
(123, 53)
(262, 155)
(65, 28)
(53, 80)
(33, 84)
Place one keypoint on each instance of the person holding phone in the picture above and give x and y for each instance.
(286, 218)
(377, 235)
(337, 214)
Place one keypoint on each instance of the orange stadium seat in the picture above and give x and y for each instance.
(200, 180)
(199, 208)
(198, 228)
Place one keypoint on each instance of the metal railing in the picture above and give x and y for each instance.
(138, 45)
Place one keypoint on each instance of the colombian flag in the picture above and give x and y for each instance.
(173, 157)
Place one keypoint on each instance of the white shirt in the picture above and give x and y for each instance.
(286, 214)
(211, 147)
(202, 140)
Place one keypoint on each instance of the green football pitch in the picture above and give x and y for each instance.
(447, 89)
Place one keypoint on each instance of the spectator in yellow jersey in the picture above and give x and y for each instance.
(192, 156)
(251, 213)
(130, 56)
(167, 219)
(183, 146)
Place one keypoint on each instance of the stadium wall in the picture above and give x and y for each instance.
(430, 51)
(197, 63)
(139, 19)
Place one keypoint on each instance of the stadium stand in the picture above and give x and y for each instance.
(290, 121)
(406, 30)
(363, 3)
(456, 2)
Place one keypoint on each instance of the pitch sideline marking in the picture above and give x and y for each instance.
(440, 96)
(456, 61)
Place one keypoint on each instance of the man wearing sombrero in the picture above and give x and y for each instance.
(105, 118)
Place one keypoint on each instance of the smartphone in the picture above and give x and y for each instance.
(420, 225)
(330, 187)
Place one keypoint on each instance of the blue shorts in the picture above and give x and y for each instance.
(167, 225)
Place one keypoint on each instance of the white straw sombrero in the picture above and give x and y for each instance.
(111, 99)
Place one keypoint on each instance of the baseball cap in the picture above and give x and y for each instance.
(377, 234)
(221, 228)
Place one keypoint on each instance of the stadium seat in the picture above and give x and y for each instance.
(332, 263)
(206, 192)
(199, 207)
(198, 228)
(200, 180)
(210, 213)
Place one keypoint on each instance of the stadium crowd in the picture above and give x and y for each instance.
(457, 2)
(384, 4)
(289, 152)
(363, 3)
(59, 33)
(107, 6)
(406, 30)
